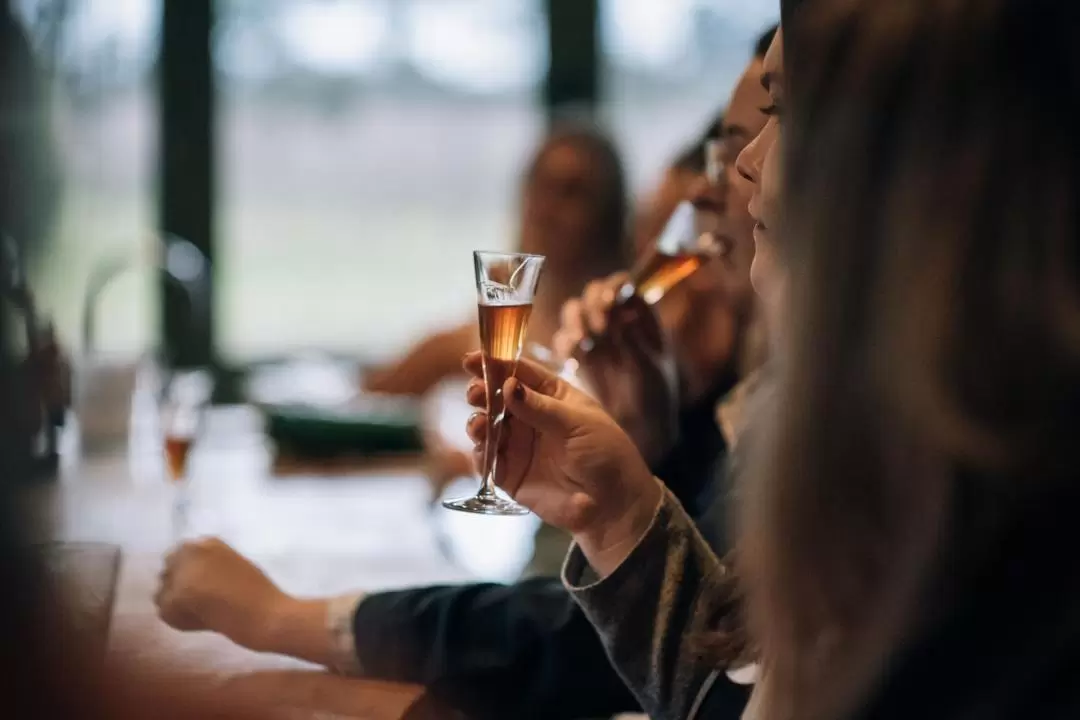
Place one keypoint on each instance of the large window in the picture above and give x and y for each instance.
(669, 67)
(366, 147)
(96, 62)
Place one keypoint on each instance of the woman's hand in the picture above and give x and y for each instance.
(565, 459)
(630, 368)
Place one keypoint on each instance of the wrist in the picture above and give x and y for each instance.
(286, 619)
(608, 542)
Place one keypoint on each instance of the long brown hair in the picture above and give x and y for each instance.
(932, 171)
(611, 249)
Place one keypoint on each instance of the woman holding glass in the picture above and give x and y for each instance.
(914, 474)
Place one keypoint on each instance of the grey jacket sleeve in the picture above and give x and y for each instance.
(655, 613)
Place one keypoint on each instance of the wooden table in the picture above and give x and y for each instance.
(313, 534)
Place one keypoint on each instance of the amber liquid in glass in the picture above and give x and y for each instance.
(502, 335)
(660, 273)
(176, 455)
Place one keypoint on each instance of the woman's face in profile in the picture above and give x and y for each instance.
(760, 163)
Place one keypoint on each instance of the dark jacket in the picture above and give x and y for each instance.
(526, 650)
(999, 638)
(654, 612)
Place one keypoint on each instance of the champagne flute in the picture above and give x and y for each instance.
(183, 403)
(505, 286)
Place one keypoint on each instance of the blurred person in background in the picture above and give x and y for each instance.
(702, 325)
(709, 319)
(526, 645)
(574, 212)
(656, 207)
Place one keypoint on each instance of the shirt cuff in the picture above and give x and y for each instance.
(340, 612)
(579, 576)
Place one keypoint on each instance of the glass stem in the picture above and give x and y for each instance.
(180, 511)
(491, 456)
(487, 487)
(491, 451)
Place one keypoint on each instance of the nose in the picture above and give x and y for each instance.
(748, 164)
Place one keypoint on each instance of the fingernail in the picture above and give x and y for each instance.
(518, 391)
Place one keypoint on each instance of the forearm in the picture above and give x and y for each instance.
(425, 365)
(305, 629)
(655, 609)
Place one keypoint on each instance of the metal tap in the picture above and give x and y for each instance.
(182, 264)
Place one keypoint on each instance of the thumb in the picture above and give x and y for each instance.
(540, 412)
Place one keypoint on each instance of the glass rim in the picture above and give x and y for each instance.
(504, 254)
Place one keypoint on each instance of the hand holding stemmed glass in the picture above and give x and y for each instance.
(563, 457)
(505, 286)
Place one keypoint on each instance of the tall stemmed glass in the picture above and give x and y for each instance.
(505, 286)
(183, 403)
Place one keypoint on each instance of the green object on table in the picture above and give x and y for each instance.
(367, 429)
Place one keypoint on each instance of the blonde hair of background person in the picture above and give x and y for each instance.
(574, 212)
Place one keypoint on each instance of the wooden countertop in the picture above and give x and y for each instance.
(314, 535)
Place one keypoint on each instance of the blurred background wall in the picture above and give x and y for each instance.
(361, 148)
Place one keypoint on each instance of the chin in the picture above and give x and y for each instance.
(757, 281)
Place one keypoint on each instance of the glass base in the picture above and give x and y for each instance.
(486, 505)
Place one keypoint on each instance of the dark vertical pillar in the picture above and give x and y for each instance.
(186, 202)
(573, 79)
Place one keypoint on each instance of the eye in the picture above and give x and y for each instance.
(771, 110)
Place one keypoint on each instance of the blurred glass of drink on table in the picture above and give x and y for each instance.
(185, 397)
